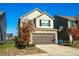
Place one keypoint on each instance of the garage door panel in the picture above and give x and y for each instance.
(43, 38)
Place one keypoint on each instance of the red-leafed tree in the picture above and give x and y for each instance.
(74, 31)
(25, 32)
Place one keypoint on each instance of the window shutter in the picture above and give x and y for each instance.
(49, 22)
(40, 22)
(35, 22)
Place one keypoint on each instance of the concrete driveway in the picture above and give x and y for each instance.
(57, 50)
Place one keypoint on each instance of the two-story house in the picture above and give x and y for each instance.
(2, 27)
(44, 32)
(62, 23)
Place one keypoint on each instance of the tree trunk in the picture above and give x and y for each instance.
(27, 44)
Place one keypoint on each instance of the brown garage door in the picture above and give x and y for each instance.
(43, 38)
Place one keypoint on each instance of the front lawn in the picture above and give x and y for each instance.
(9, 49)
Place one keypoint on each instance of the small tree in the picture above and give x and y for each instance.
(25, 32)
(75, 34)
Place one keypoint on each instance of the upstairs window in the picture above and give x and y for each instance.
(45, 23)
(72, 24)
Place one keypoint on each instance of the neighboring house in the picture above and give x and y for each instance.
(44, 32)
(62, 23)
(10, 36)
(2, 27)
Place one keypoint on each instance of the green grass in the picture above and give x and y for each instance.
(4, 47)
(8, 44)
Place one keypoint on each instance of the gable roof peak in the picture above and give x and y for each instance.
(49, 15)
(36, 9)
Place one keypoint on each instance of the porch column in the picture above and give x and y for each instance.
(31, 39)
(70, 37)
(56, 38)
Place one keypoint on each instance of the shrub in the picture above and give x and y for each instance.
(76, 44)
(19, 45)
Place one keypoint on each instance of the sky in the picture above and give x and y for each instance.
(15, 10)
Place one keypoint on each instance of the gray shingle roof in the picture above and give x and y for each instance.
(71, 18)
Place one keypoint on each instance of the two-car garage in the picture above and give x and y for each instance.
(43, 38)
